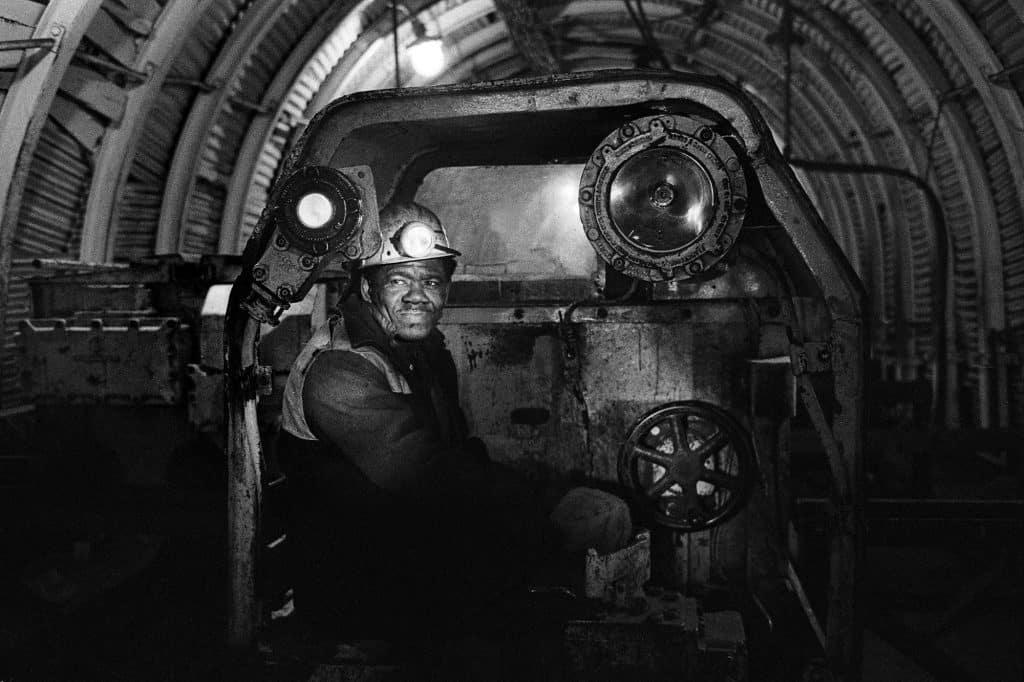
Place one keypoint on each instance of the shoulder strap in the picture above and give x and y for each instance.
(331, 335)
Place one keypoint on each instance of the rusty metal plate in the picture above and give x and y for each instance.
(513, 389)
(141, 363)
(540, 409)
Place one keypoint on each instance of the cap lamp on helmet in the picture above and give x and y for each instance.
(410, 233)
(415, 239)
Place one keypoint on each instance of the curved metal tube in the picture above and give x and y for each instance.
(244, 455)
(941, 270)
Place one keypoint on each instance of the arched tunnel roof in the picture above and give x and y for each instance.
(133, 128)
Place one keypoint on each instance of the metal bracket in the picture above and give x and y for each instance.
(833, 449)
(256, 380)
(1004, 78)
(264, 379)
(811, 357)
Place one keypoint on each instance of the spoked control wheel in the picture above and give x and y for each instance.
(689, 463)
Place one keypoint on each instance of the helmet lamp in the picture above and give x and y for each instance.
(415, 240)
(314, 210)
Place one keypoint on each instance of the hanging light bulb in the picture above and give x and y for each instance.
(426, 52)
(427, 57)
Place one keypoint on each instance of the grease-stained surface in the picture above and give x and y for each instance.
(139, 361)
(558, 397)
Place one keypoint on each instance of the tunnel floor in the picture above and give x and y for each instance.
(123, 583)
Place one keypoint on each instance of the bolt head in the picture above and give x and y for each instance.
(663, 194)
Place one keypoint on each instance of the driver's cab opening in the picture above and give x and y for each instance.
(560, 357)
(574, 370)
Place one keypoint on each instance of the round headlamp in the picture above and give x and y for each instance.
(318, 208)
(415, 240)
(663, 197)
(314, 210)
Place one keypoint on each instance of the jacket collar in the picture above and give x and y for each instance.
(364, 329)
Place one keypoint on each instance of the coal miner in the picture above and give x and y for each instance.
(395, 510)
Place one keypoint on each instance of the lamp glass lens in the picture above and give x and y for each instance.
(314, 210)
(427, 57)
(661, 199)
(416, 240)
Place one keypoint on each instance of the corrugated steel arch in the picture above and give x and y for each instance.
(30, 142)
(811, 103)
(961, 173)
(141, 195)
(294, 84)
(307, 97)
(907, 149)
(745, 40)
(604, 20)
(223, 75)
(815, 136)
(877, 69)
(868, 108)
(327, 52)
(112, 161)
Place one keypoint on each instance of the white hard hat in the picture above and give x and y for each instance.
(410, 233)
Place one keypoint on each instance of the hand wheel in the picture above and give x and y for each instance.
(689, 463)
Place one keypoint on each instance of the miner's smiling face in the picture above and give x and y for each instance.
(408, 297)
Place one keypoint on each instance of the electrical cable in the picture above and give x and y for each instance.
(940, 280)
(647, 37)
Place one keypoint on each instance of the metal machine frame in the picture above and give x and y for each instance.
(393, 131)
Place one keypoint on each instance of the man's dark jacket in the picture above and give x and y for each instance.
(391, 506)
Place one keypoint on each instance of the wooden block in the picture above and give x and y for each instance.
(94, 91)
(114, 39)
(82, 125)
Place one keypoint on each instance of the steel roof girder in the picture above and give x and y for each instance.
(743, 43)
(23, 113)
(930, 74)
(851, 104)
(908, 142)
(871, 153)
(113, 160)
(355, 53)
(1004, 107)
(866, 212)
(261, 129)
(230, 62)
